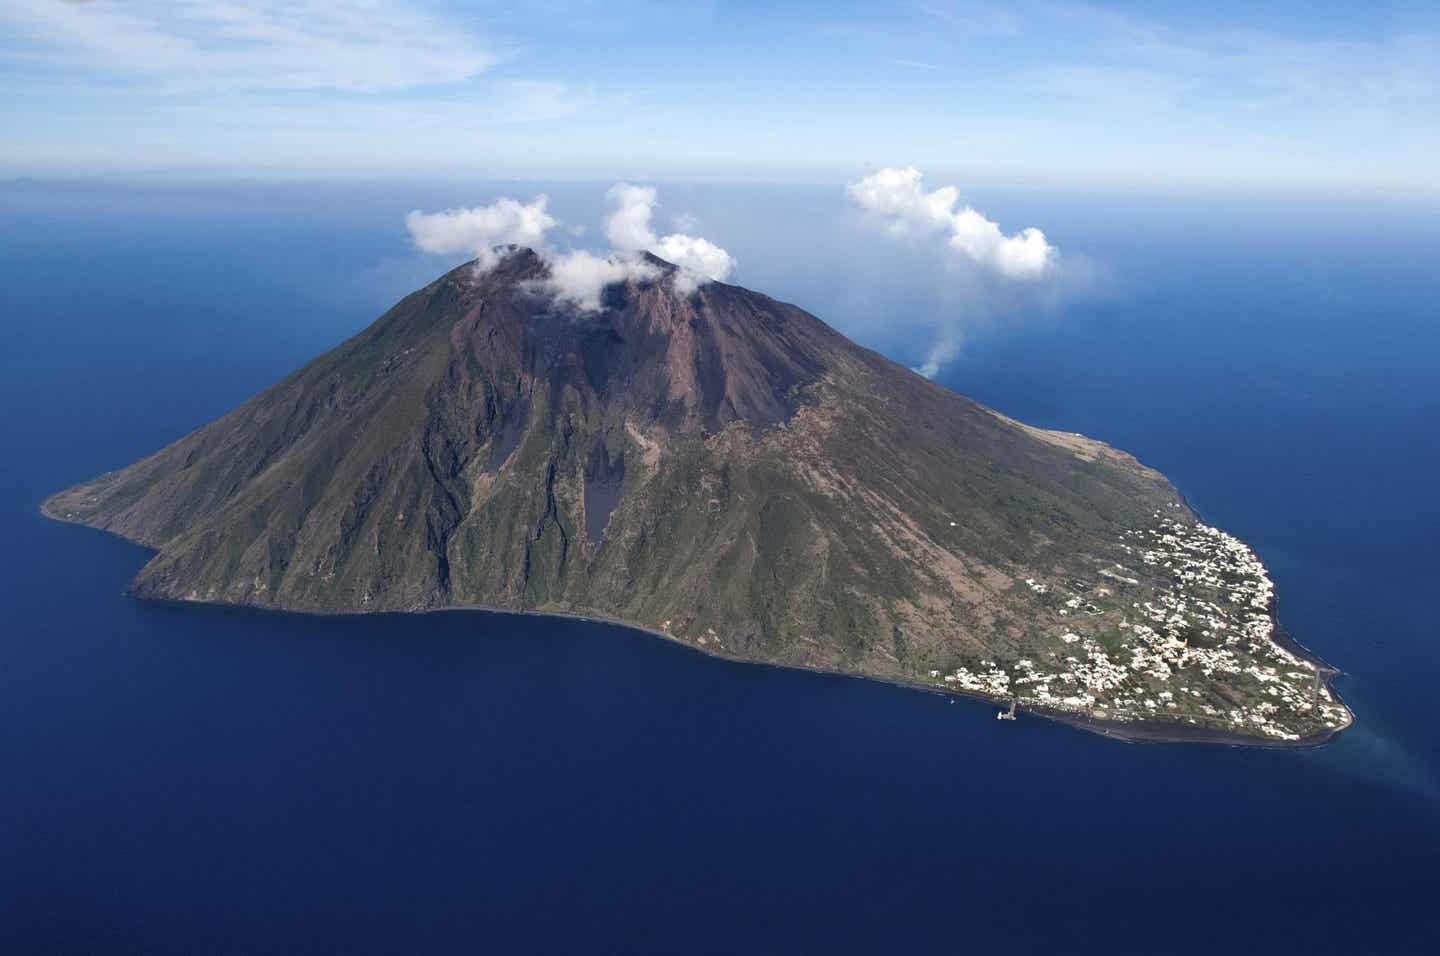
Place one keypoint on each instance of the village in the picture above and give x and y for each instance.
(1200, 650)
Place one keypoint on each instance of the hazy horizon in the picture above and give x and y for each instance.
(809, 244)
(1276, 96)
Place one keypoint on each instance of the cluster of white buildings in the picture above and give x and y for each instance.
(1198, 650)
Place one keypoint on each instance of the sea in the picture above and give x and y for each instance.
(179, 779)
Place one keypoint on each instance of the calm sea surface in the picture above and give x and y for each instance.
(181, 780)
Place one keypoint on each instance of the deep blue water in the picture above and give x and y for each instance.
(203, 780)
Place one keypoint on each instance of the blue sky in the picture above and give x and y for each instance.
(1341, 97)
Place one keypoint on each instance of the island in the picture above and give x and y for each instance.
(704, 462)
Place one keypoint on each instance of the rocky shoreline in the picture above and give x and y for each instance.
(1141, 730)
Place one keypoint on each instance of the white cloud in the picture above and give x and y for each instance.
(354, 45)
(576, 277)
(898, 198)
(579, 277)
(700, 259)
(628, 229)
(628, 226)
(480, 229)
(419, 118)
(984, 273)
(914, 64)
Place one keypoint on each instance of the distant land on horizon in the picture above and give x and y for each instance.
(705, 462)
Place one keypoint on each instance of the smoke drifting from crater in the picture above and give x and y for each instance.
(480, 229)
(897, 198)
(985, 273)
(577, 276)
(628, 228)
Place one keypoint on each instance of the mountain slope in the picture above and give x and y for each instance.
(711, 464)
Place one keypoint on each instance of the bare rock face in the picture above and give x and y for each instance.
(708, 463)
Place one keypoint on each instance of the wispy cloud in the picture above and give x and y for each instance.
(1025, 90)
(975, 19)
(913, 64)
(355, 45)
(1116, 61)
(488, 103)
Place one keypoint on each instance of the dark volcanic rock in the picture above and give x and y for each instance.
(715, 465)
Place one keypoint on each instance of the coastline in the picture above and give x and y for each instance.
(1281, 636)
(1134, 732)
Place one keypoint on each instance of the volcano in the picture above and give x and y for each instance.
(727, 470)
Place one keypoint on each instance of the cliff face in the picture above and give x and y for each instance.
(712, 464)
